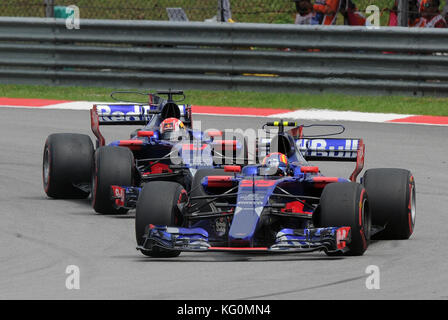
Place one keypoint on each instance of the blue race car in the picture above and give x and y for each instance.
(72, 168)
(281, 205)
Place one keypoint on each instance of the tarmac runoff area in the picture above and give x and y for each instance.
(40, 237)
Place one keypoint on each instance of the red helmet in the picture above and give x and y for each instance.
(171, 129)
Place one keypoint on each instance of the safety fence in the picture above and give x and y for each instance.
(238, 56)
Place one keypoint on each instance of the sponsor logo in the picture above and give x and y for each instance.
(119, 193)
(122, 112)
(342, 235)
(335, 148)
(257, 183)
(251, 200)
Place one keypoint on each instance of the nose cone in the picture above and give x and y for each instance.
(244, 224)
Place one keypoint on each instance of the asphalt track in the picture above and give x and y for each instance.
(39, 236)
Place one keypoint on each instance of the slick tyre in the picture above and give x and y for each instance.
(113, 166)
(345, 204)
(157, 205)
(67, 162)
(392, 201)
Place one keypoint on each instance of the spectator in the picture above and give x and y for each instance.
(351, 14)
(327, 11)
(414, 18)
(305, 13)
(430, 14)
(393, 15)
(414, 13)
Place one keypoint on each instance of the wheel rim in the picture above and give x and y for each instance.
(46, 167)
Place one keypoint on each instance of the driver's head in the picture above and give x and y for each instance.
(172, 129)
(276, 163)
(303, 7)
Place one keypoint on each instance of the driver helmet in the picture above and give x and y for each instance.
(172, 129)
(276, 163)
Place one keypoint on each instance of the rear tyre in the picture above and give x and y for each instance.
(344, 204)
(157, 205)
(113, 166)
(67, 162)
(392, 200)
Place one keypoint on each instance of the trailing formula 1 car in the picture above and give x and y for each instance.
(281, 205)
(72, 168)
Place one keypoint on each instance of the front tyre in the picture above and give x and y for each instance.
(344, 204)
(157, 205)
(392, 200)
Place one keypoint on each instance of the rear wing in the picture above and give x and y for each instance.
(133, 114)
(119, 114)
(334, 149)
(125, 114)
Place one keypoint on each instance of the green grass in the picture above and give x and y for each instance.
(386, 104)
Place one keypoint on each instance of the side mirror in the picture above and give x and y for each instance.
(214, 133)
(232, 169)
(309, 169)
(142, 133)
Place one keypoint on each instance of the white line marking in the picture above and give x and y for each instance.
(323, 114)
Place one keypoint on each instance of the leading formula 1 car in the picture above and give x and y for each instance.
(282, 205)
(72, 168)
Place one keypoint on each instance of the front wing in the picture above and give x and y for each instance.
(330, 239)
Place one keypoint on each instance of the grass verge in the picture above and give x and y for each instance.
(385, 104)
